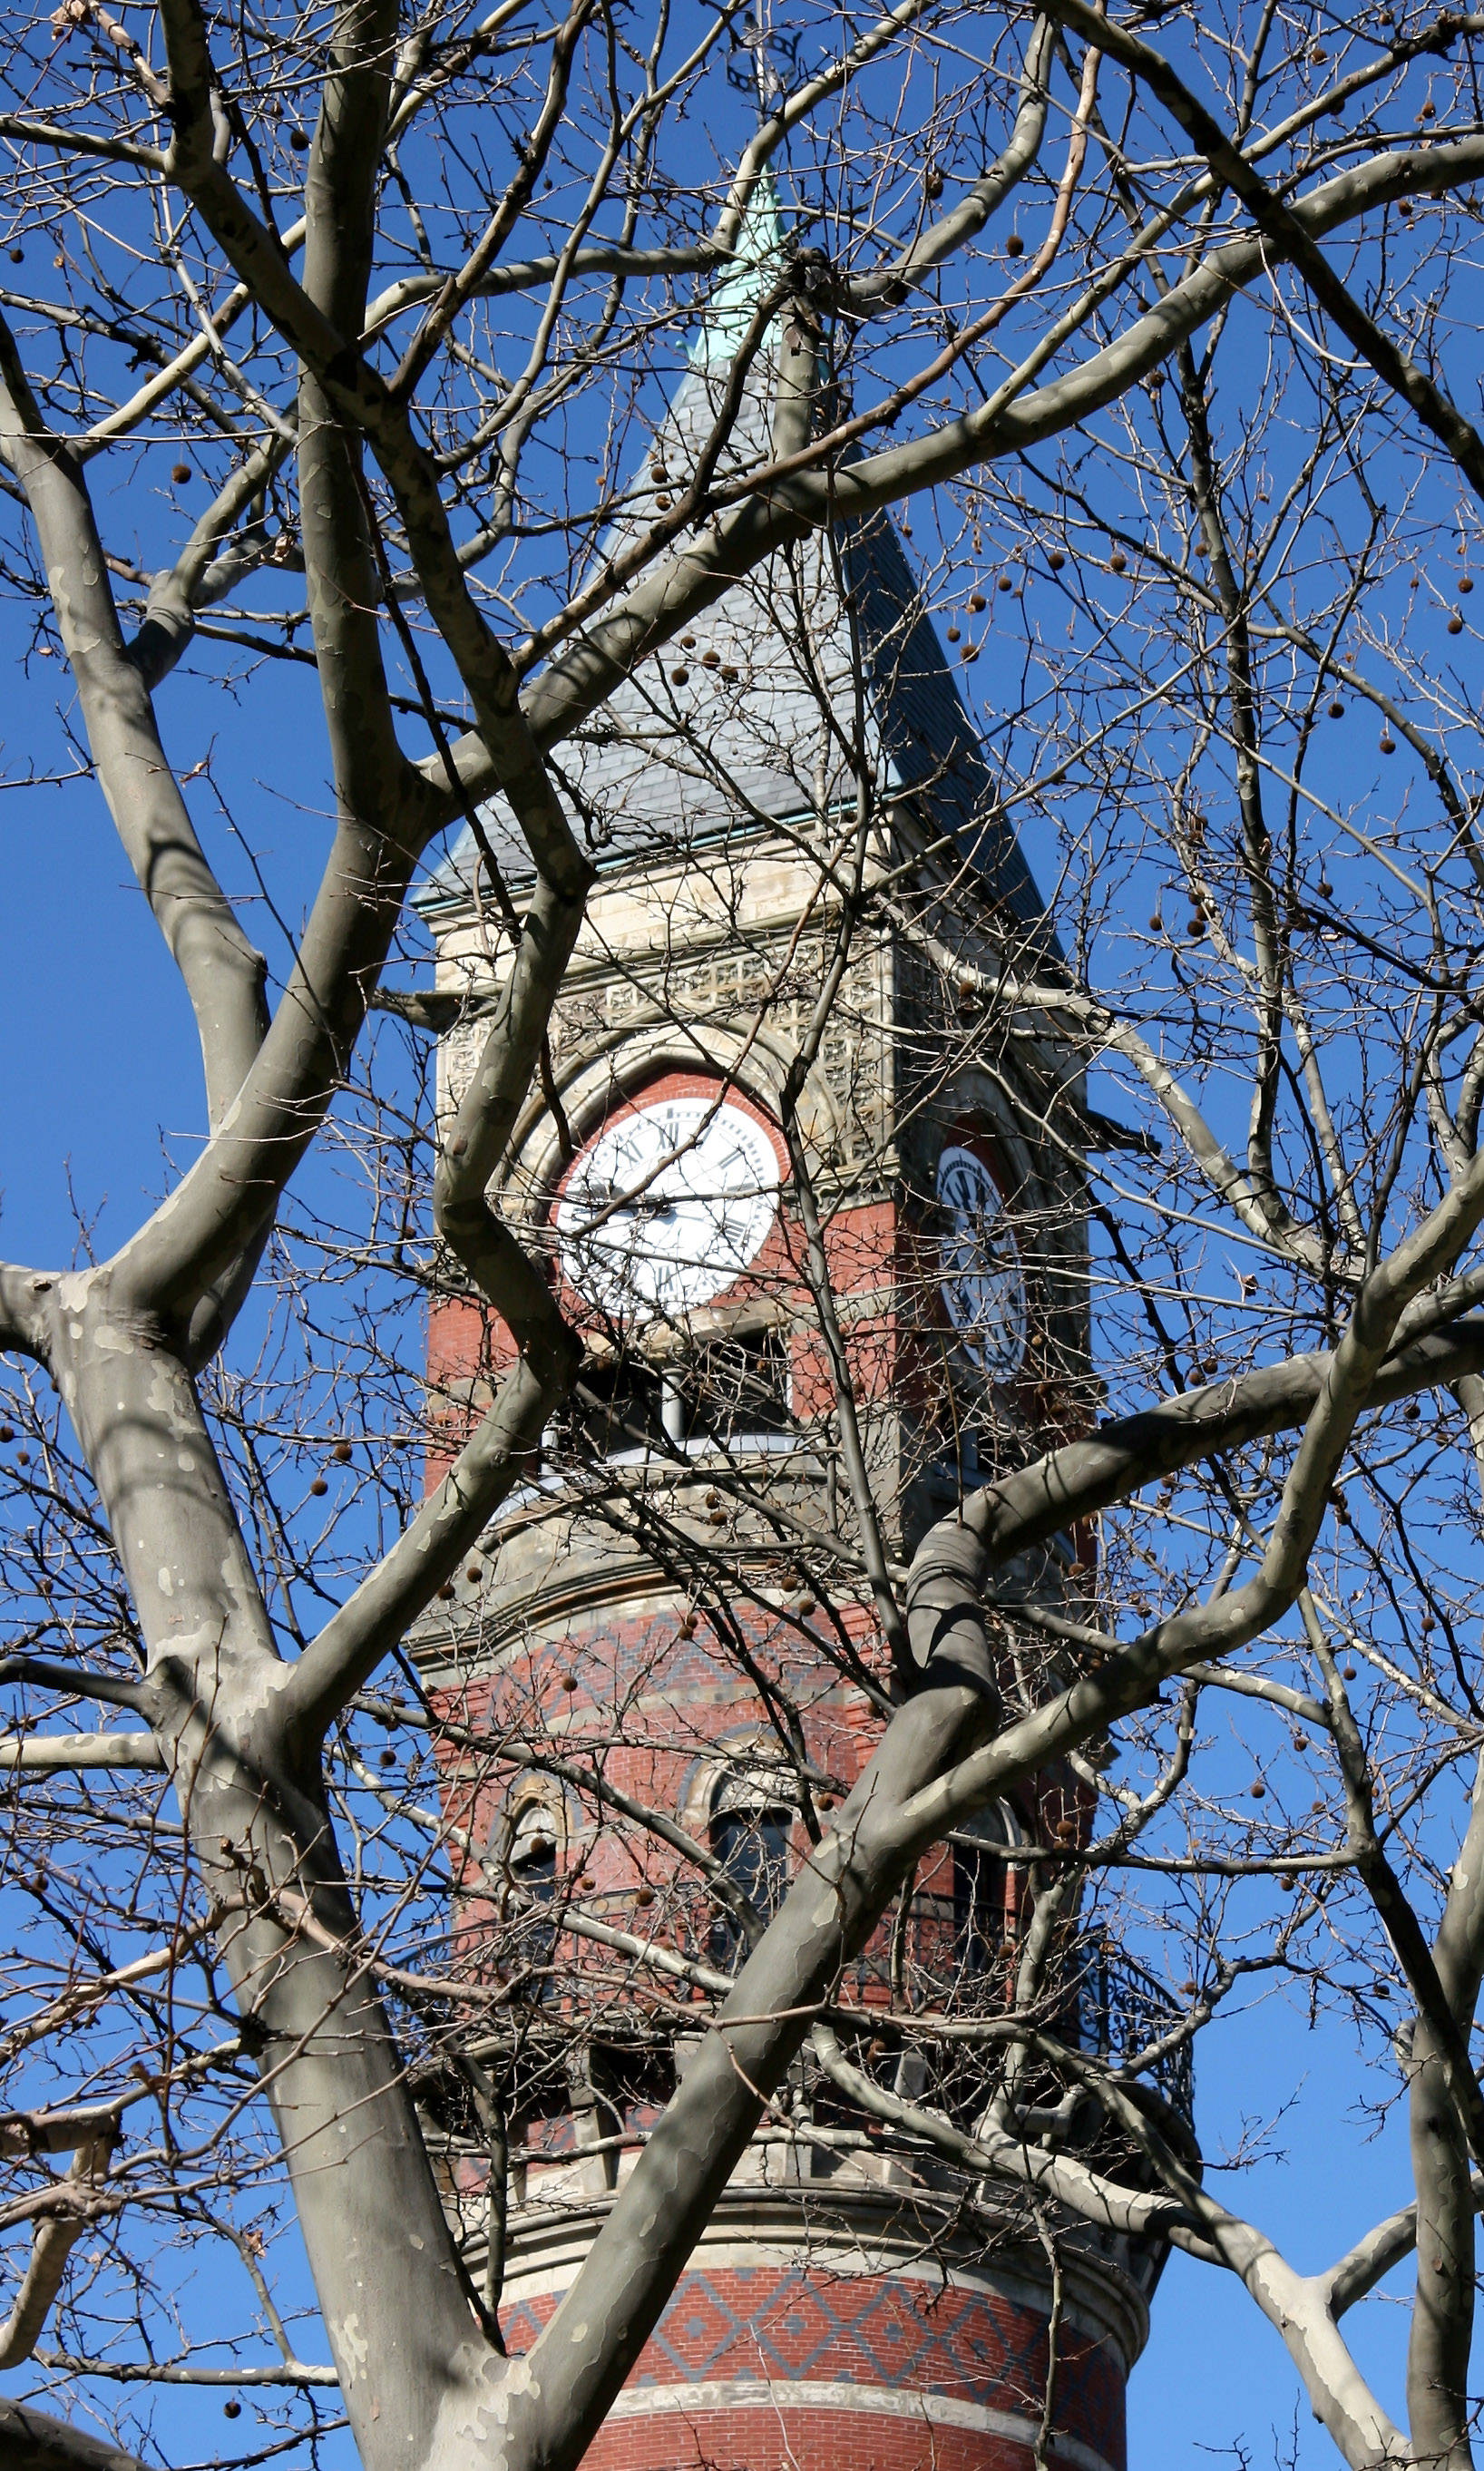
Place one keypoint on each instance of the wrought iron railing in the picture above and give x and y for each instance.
(1118, 2011)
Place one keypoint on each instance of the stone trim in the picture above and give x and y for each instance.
(873, 2402)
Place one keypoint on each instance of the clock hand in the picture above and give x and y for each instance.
(642, 1208)
(616, 1197)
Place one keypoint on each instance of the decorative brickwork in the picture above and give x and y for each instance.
(858, 2355)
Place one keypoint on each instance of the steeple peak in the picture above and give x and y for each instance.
(754, 262)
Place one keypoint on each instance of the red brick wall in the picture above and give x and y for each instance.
(682, 1695)
(740, 2343)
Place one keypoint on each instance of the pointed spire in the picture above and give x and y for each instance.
(755, 260)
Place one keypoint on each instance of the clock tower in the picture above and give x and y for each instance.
(816, 1203)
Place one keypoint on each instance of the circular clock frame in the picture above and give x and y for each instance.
(980, 1274)
(666, 1206)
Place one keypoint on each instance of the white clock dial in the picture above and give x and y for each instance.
(667, 1207)
(979, 1263)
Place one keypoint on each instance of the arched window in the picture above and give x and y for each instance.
(982, 1918)
(531, 1845)
(751, 1824)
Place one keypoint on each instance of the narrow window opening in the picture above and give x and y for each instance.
(730, 1389)
(723, 1390)
(982, 1916)
(749, 1836)
(530, 1860)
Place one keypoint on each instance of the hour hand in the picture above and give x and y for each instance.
(627, 1205)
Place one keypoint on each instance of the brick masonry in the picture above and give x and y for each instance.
(807, 2369)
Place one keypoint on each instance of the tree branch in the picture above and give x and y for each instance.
(224, 975)
(1287, 229)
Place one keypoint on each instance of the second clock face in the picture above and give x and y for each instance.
(980, 1262)
(667, 1207)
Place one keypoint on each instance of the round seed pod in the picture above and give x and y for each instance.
(1118, 561)
(319, 1486)
(180, 474)
(1014, 245)
(1456, 624)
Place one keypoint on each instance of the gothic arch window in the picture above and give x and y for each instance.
(983, 1914)
(533, 1834)
(752, 1811)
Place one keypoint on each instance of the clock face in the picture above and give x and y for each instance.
(642, 1230)
(979, 1263)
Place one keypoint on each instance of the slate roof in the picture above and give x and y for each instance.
(666, 766)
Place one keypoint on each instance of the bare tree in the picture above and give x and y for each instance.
(1155, 330)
